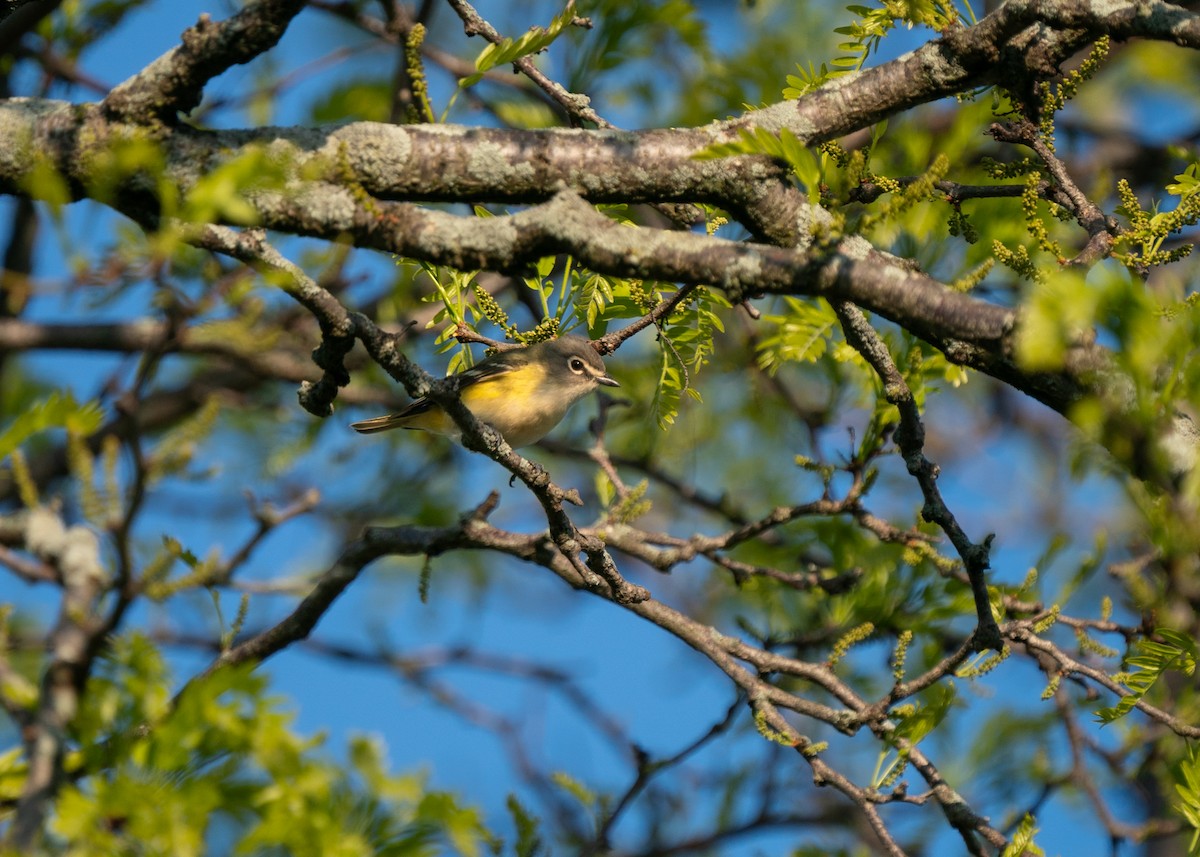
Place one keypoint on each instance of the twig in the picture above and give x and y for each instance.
(28, 569)
(610, 342)
(910, 437)
(648, 768)
(1100, 228)
(576, 106)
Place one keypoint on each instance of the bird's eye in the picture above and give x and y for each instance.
(576, 365)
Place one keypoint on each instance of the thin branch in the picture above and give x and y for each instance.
(454, 65)
(648, 768)
(268, 518)
(1084, 780)
(1022, 632)
(610, 342)
(132, 337)
(910, 437)
(1101, 229)
(72, 644)
(575, 105)
(337, 326)
(29, 569)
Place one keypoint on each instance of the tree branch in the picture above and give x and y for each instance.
(575, 105)
(910, 437)
(18, 17)
(174, 82)
(1021, 40)
(75, 553)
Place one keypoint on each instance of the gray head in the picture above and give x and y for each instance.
(574, 364)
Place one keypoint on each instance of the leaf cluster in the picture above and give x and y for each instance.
(164, 776)
(1149, 230)
(1177, 652)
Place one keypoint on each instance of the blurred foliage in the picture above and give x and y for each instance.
(223, 761)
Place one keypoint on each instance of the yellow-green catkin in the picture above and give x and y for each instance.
(420, 110)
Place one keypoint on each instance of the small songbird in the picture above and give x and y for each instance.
(523, 393)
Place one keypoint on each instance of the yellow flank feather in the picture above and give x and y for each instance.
(507, 406)
(519, 384)
(511, 407)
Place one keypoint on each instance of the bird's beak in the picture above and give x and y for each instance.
(607, 381)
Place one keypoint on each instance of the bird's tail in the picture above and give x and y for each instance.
(376, 424)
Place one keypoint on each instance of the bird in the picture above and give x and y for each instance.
(523, 393)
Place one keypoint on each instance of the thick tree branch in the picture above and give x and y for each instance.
(1023, 40)
(652, 166)
(174, 83)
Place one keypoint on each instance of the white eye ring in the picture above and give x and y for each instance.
(576, 365)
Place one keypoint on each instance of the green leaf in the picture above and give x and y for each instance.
(13, 771)
(802, 335)
(522, 113)
(529, 841)
(918, 724)
(687, 343)
(1022, 841)
(354, 101)
(806, 81)
(176, 549)
(913, 722)
(585, 796)
(1187, 182)
(59, 410)
(536, 39)
(785, 147)
(1056, 313)
(1178, 653)
(46, 183)
(222, 193)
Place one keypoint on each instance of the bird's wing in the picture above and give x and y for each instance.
(475, 375)
(500, 364)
